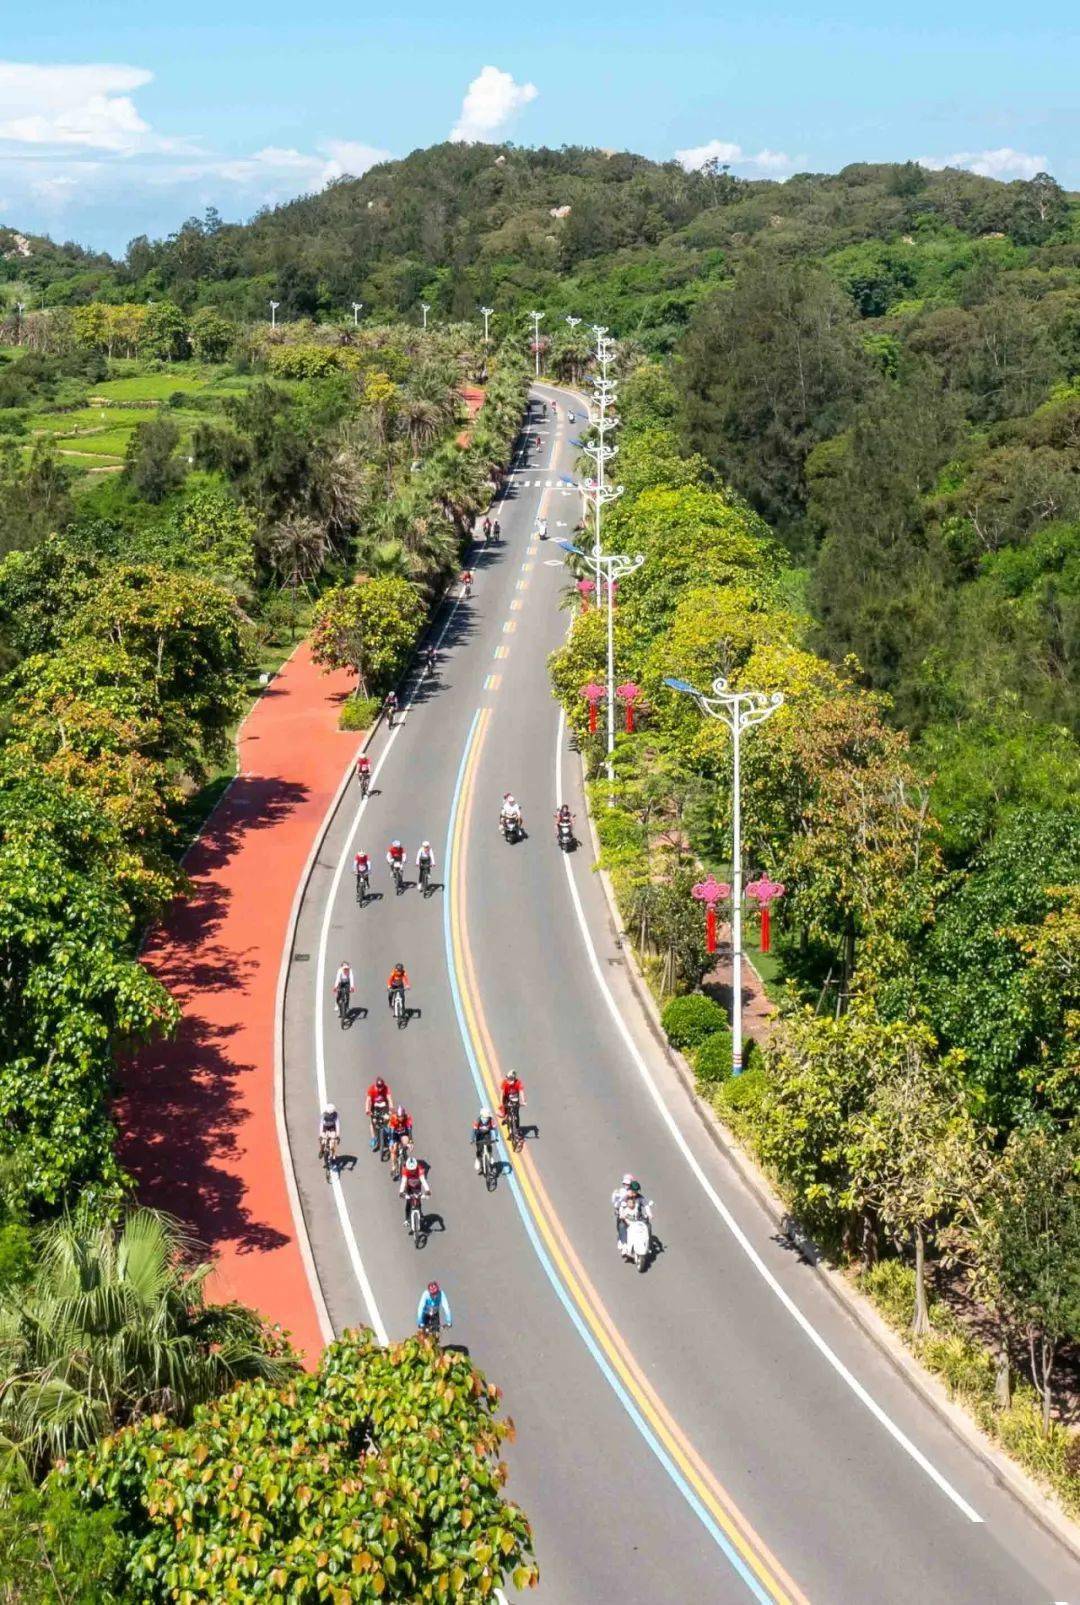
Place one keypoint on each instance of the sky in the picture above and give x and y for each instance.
(119, 119)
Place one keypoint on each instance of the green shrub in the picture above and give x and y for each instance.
(890, 1284)
(358, 713)
(618, 831)
(738, 1100)
(712, 1061)
(687, 1021)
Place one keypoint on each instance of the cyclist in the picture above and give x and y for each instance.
(430, 659)
(495, 530)
(425, 862)
(377, 1108)
(554, 409)
(399, 1124)
(395, 855)
(542, 528)
(433, 1308)
(483, 1135)
(414, 1185)
(466, 581)
(329, 1132)
(513, 1089)
(390, 708)
(396, 981)
(343, 980)
(487, 528)
(363, 773)
(362, 866)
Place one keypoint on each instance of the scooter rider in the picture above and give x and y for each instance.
(510, 812)
(628, 1202)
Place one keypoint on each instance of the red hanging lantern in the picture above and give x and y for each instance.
(594, 695)
(585, 590)
(765, 892)
(629, 693)
(710, 892)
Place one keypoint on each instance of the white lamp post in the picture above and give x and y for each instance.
(425, 309)
(273, 313)
(739, 710)
(613, 566)
(486, 314)
(356, 309)
(536, 320)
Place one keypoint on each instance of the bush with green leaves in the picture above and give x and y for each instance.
(688, 1021)
(358, 713)
(376, 1477)
(712, 1060)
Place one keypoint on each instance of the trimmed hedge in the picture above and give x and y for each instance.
(358, 713)
(712, 1061)
(687, 1021)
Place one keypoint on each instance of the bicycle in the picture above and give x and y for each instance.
(513, 1124)
(399, 1151)
(487, 1166)
(365, 782)
(341, 997)
(432, 1326)
(363, 886)
(399, 878)
(425, 878)
(382, 1136)
(328, 1150)
(416, 1219)
(397, 1005)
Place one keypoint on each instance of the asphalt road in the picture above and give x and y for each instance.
(716, 1428)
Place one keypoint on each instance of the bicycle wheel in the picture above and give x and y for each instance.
(416, 1223)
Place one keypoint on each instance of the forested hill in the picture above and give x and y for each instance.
(606, 235)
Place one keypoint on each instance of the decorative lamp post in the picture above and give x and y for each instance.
(738, 710)
(764, 891)
(710, 892)
(273, 313)
(485, 313)
(537, 319)
(628, 693)
(425, 308)
(594, 695)
(585, 590)
(357, 308)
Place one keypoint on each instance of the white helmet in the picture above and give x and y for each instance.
(426, 845)
(395, 842)
(485, 1114)
(329, 1110)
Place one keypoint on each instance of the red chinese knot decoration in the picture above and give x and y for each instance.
(585, 591)
(594, 695)
(765, 892)
(629, 693)
(710, 892)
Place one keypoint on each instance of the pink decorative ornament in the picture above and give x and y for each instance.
(585, 591)
(765, 892)
(710, 892)
(629, 693)
(594, 695)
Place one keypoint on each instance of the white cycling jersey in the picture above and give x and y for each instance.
(344, 974)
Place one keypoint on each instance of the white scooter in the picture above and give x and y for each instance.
(638, 1243)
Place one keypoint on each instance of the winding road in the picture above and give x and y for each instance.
(718, 1428)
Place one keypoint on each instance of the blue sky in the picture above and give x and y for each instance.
(118, 119)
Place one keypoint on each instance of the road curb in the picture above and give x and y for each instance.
(1004, 1471)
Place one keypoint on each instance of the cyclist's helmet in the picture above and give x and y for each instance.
(401, 1111)
(485, 1115)
(434, 1289)
(380, 1084)
(329, 1110)
(395, 842)
(426, 846)
(399, 965)
(412, 1166)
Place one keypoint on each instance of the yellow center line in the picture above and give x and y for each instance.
(576, 1281)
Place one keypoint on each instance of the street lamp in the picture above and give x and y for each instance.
(273, 313)
(614, 567)
(425, 309)
(739, 710)
(573, 322)
(486, 314)
(536, 319)
(356, 306)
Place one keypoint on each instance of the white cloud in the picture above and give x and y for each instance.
(490, 101)
(277, 171)
(85, 107)
(776, 162)
(1002, 163)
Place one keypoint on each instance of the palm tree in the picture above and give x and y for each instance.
(422, 420)
(114, 1326)
(297, 548)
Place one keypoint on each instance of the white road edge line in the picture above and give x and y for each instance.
(351, 1243)
(717, 1202)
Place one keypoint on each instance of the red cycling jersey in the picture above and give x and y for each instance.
(377, 1099)
(396, 853)
(363, 763)
(515, 1086)
(400, 1124)
(362, 862)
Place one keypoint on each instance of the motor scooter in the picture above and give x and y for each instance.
(638, 1245)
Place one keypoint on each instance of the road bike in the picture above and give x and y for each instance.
(425, 878)
(432, 1326)
(364, 778)
(399, 878)
(397, 1004)
(363, 886)
(400, 1148)
(341, 997)
(488, 1167)
(382, 1135)
(328, 1150)
(513, 1123)
(416, 1219)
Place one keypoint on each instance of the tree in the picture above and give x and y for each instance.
(115, 1326)
(215, 534)
(376, 1477)
(53, 1551)
(912, 1148)
(368, 628)
(211, 335)
(151, 465)
(1025, 1246)
(165, 333)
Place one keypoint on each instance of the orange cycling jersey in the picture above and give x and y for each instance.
(397, 978)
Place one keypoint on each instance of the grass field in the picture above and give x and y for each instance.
(96, 418)
(110, 443)
(150, 386)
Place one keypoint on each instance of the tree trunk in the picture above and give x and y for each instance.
(1003, 1375)
(921, 1323)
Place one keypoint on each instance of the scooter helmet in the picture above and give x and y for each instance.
(635, 1187)
(628, 1180)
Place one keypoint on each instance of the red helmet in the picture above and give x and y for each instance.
(434, 1289)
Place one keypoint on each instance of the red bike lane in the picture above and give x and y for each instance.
(197, 1115)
